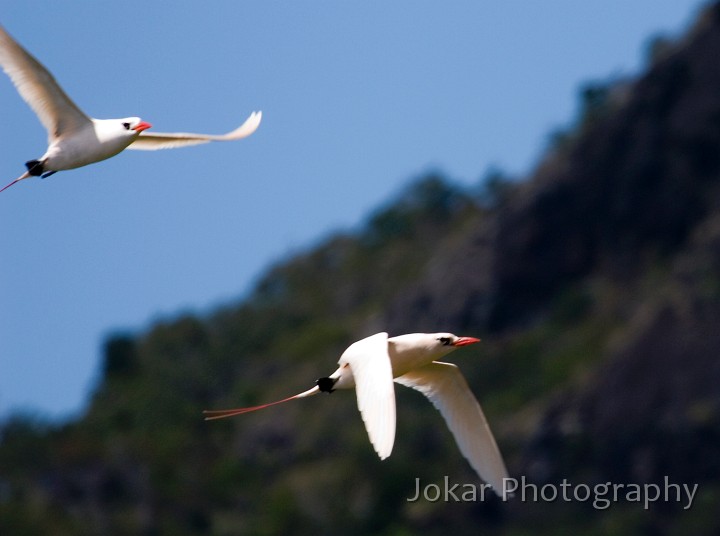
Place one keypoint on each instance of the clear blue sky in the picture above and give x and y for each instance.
(358, 97)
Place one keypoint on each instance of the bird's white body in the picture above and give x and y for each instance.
(371, 365)
(405, 352)
(97, 140)
(75, 139)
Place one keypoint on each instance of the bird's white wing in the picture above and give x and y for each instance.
(444, 385)
(58, 114)
(370, 364)
(147, 141)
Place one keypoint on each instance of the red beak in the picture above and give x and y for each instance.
(464, 341)
(142, 125)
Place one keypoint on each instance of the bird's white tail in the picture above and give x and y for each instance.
(222, 413)
(25, 175)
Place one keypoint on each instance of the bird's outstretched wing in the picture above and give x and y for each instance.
(444, 385)
(370, 364)
(159, 140)
(58, 114)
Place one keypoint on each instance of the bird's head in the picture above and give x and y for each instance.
(117, 134)
(134, 125)
(448, 341)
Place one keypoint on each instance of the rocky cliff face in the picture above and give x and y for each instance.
(625, 190)
(620, 222)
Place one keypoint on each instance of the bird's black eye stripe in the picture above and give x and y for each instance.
(127, 126)
(445, 340)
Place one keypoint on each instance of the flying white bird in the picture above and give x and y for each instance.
(76, 140)
(370, 365)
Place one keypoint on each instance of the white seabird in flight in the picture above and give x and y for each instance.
(75, 139)
(370, 366)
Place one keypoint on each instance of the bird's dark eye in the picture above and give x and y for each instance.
(127, 126)
(445, 341)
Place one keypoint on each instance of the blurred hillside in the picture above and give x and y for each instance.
(594, 283)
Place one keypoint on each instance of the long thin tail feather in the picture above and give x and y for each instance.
(213, 414)
(21, 177)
